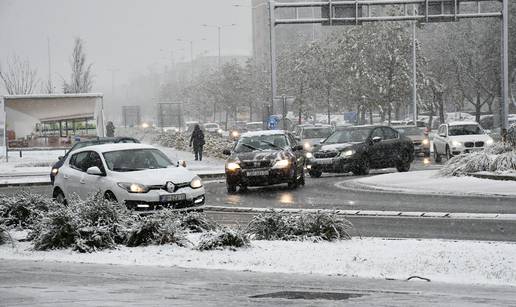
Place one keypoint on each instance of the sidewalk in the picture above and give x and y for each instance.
(34, 167)
(430, 182)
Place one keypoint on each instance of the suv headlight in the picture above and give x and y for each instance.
(232, 166)
(281, 164)
(347, 153)
(307, 146)
(456, 143)
(425, 142)
(309, 155)
(196, 183)
(133, 187)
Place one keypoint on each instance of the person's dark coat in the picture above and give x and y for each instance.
(197, 138)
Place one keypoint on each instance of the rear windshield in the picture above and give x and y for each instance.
(316, 133)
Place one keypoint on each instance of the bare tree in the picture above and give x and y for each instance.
(18, 76)
(81, 79)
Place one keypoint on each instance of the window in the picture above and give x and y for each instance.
(79, 161)
(389, 133)
(95, 160)
(377, 133)
(292, 140)
(261, 142)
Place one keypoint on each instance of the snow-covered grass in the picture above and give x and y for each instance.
(466, 262)
(429, 181)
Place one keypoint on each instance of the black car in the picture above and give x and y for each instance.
(262, 158)
(90, 142)
(357, 149)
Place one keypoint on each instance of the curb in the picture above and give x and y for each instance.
(47, 183)
(370, 213)
(493, 176)
(349, 185)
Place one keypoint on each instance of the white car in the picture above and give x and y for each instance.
(212, 128)
(139, 176)
(459, 137)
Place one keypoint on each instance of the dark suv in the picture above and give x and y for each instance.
(357, 149)
(262, 158)
(81, 144)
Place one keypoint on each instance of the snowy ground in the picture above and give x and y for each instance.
(429, 181)
(463, 262)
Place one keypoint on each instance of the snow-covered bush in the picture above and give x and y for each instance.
(23, 209)
(157, 229)
(3, 235)
(197, 222)
(223, 238)
(85, 225)
(499, 157)
(505, 162)
(213, 147)
(305, 226)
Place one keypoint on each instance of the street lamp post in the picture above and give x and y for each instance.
(219, 28)
(191, 52)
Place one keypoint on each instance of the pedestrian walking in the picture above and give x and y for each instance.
(197, 139)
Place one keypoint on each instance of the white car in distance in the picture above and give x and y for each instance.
(459, 137)
(137, 175)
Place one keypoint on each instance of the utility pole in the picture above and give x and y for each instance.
(414, 70)
(219, 30)
(50, 86)
(505, 68)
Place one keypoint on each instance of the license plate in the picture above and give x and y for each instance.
(324, 161)
(257, 173)
(172, 198)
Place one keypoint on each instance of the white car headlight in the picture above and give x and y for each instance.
(281, 164)
(232, 166)
(489, 142)
(307, 146)
(309, 155)
(456, 143)
(235, 134)
(425, 142)
(55, 171)
(347, 153)
(196, 183)
(219, 131)
(133, 187)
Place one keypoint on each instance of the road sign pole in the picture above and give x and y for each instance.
(505, 68)
(414, 72)
(272, 38)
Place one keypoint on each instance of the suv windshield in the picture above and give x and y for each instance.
(316, 133)
(348, 135)
(464, 130)
(136, 160)
(261, 142)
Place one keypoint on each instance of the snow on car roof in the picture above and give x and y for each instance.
(113, 147)
(462, 123)
(262, 132)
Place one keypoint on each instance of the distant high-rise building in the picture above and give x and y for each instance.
(287, 36)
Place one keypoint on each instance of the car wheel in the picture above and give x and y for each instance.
(109, 196)
(448, 153)
(231, 188)
(404, 162)
(437, 156)
(59, 197)
(315, 174)
(243, 188)
(363, 167)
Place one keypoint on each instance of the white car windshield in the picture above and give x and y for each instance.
(348, 135)
(464, 130)
(136, 160)
(261, 142)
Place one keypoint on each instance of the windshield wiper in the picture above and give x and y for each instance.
(271, 144)
(251, 147)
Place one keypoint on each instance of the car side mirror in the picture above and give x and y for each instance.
(226, 152)
(321, 141)
(94, 170)
(297, 148)
(376, 139)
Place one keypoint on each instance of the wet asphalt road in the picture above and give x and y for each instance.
(30, 283)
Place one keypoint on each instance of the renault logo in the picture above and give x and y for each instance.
(170, 187)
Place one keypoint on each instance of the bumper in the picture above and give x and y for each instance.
(268, 177)
(152, 200)
(332, 165)
(465, 150)
(419, 149)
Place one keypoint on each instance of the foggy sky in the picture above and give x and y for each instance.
(126, 35)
